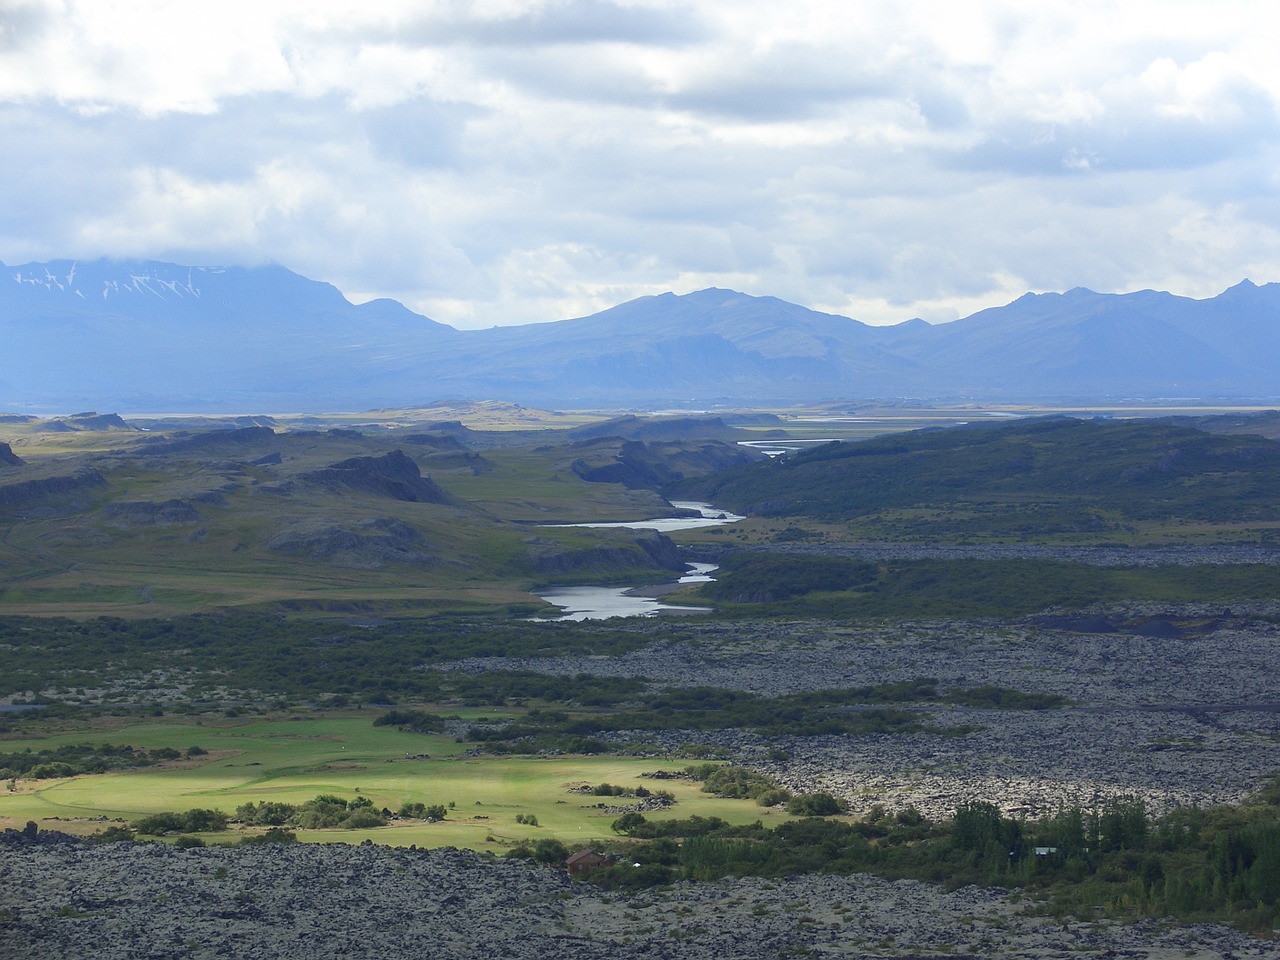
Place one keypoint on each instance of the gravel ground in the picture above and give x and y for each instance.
(66, 900)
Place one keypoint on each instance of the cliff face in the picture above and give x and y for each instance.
(30, 492)
(8, 458)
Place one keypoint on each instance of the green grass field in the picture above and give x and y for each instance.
(295, 760)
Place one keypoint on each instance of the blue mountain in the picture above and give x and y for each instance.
(147, 336)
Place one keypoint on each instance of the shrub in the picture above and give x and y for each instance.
(550, 851)
(363, 818)
(192, 821)
(773, 797)
(274, 835)
(815, 805)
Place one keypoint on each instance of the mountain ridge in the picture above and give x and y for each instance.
(147, 335)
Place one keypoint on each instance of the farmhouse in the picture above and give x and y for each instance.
(584, 862)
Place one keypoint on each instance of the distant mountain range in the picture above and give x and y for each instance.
(160, 337)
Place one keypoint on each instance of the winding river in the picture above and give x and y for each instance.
(601, 603)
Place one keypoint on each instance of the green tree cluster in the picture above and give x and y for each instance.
(190, 821)
(325, 811)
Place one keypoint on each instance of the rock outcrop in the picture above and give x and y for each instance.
(369, 546)
(8, 458)
(394, 475)
(32, 492)
(651, 466)
(91, 421)
(648, 550)
(149, 514)
(209, 440)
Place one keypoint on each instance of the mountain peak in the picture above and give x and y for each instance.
(1245, 286)
(171, 337)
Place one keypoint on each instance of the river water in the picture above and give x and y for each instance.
(601, 603)
(710, 517)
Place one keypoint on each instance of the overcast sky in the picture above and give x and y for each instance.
(507, 161)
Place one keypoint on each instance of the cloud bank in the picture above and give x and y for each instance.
(507, 161)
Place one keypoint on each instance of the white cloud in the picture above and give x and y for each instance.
(516, 160)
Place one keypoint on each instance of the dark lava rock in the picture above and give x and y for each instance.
(35, 491)
(393, 475)
(368, 547)
(8, 458)
(209, 440)
(645, 551)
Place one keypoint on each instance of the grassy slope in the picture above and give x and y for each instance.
(73, 561)
(1040, 480)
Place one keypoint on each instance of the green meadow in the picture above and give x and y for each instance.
(295, 760)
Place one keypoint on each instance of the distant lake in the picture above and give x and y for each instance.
(601, 603)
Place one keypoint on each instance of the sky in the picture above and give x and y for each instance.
(493, 162)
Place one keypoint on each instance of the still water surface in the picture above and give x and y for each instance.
(604, 602)
(601, 603)
(710, 517)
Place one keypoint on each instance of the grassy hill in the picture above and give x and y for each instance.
(1030, 480)
(156, 523)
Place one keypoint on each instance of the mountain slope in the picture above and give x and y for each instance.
(143, 334)
(146, 336)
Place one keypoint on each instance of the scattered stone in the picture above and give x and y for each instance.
(63, 900)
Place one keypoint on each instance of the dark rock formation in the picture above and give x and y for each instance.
(97, 421)
(393, 475)
(648, 550)
(149, 513)
(640, 465)
(36, 491)
(8, 458)
(209, 440)
(369, 546)
(436, 441)
(90, 421)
